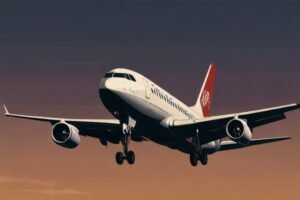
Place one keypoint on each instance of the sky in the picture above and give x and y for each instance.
(53, 55)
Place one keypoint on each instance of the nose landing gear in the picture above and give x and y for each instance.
(128, 155)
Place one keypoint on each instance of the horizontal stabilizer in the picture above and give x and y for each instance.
(230, 145)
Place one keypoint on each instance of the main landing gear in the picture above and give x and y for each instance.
(128, 155)
(195, 157)
(198, 155)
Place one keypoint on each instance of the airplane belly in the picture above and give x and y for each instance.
(146, 115)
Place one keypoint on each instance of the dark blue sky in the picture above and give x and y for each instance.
(67, 46)
(70, 31)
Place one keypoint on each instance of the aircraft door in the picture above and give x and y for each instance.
(147, 89)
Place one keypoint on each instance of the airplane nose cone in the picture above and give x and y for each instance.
(107, 84)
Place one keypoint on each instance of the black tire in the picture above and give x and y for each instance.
(119, 158)
(130, 157)
(204, 159)
(194, 159)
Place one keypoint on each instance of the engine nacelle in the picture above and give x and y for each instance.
(211, 147)
(239, 131)
(65, 135)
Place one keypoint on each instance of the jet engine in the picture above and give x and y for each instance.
(211, 147)
(65, 135)
(239, 131)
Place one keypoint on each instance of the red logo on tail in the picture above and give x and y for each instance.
(205, 99)
(206, 95)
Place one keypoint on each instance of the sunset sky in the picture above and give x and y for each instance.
(53, 55)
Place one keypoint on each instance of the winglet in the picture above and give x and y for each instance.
(5, 109)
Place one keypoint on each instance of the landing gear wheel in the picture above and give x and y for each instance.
(204, 159)
(119, 158)
(194, 159)
(130, 157)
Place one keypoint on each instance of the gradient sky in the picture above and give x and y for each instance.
(53, 55)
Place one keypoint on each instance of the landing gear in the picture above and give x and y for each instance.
(119, 158)
(194, 159)
(198, 155)
(128, 155)
(203, 159)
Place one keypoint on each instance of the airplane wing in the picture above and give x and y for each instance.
(231, 145)
(214, 128)
(87, 127)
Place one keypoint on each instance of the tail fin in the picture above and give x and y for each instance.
(203, 103)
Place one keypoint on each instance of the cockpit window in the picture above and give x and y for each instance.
(127, 76)
(120, 75)
(108, 75)
(131, 77)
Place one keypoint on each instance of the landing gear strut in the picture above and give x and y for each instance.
(126, 154)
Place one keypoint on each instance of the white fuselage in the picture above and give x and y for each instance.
(146, 103)
(151, 95)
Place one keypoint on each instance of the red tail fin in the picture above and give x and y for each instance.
(203, 103)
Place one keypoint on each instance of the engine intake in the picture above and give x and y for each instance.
(239, 131)
(65, 135)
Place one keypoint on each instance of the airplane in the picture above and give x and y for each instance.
(144, 111)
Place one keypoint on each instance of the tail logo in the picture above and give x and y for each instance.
(205, 99)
